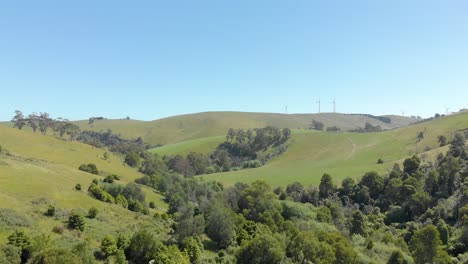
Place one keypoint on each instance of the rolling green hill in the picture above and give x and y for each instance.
(202, 125)
(37, 171)
(346, 154)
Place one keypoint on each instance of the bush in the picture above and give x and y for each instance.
(152, 205)
(380, 161)
(132, 159)
(109, 179)
(76, 221)
(90, 168)
(50, 211)
(92, 213)
(78, 187)
(109, 246)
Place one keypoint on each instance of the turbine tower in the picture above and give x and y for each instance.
(286, 109)
(334, 105)
(447, 110)
(318, 102)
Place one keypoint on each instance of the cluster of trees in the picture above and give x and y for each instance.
(368, 127)
(112, 141)
(317, 125)
(242, 149)
(384, 119)
(130, 196)
(43, 122)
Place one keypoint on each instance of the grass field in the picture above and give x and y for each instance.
(346, 154)
(202, 145)
(40, 170)
(202, 125)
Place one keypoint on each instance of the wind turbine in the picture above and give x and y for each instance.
(286, 109)
(334, 105)
(447, 110)
(318, 102)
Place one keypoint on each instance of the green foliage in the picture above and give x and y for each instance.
(50, 211)
(20, 240)
(306, 248)
(411, 165)
(109, 246)
(324, 214)
(144, 247)
(396, 258)
(76, 221)
(10, 254)
(457, 147)
(219, 225)
(193, 249)
(132, 159)
(358, 224)
(92, 212)
(263, 249)
(374, 182)
(90, 168)
(84, 252)
(78, 187)
(426, 246)
(326, 187)
(54, 256)
(442, 140)
(109, 179)
(97, 192)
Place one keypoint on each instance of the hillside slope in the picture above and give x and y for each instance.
(201, 125)
(347, 154)
(37, 171)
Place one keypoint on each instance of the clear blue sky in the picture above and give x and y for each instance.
(154, 59)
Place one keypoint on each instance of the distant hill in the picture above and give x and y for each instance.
(201, 125)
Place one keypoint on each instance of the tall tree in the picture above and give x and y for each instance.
(426, 246)
(18, 120)
(33, 121)
(326, 187)
(44, 122)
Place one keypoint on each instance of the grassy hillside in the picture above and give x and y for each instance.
(201, 125)
(202, 145)
(346, 154)
(37, 171)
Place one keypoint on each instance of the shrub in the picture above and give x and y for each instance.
(50, 211)
(76, 221)
(90, 168)
(121, 200)
(380, 161)
(109, 246)
(152, 205)
(98, 193)
(132, 159)
(109, 179)
(78, 187)
(92, 213)
(135, 205)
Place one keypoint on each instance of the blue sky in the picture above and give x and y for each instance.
(154, 59)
